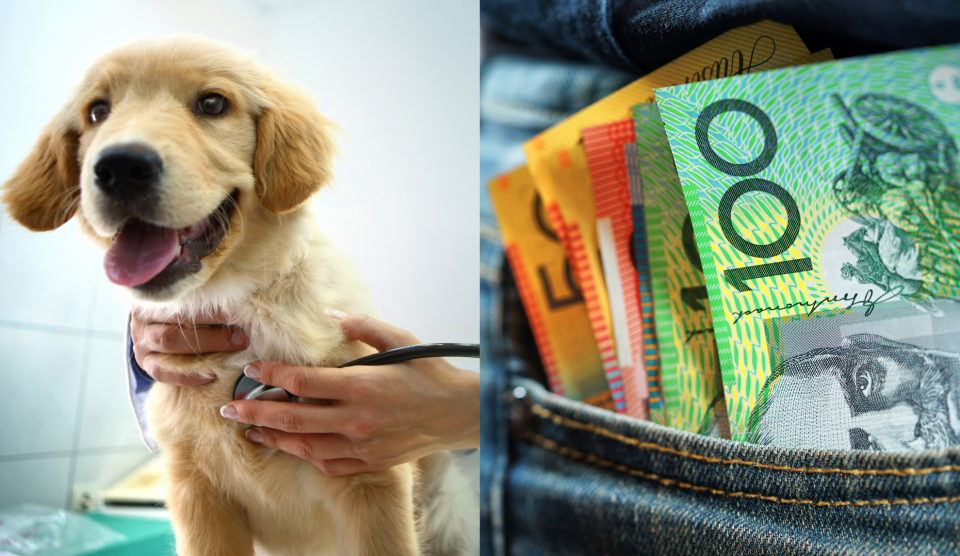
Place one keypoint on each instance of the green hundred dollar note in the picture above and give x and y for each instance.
(690, 371)
(831, 194)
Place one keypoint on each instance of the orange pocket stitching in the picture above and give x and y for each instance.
(569, 452)
(563, 421)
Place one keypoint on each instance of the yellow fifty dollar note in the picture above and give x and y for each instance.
(551, 297)
(573, 191)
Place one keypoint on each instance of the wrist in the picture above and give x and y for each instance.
(467, 394)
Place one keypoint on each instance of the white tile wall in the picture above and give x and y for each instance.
(107, 416)
(48, 277)
(63, 394)
(104, 470)
(109, 310)
(40, 374)
(35, 481)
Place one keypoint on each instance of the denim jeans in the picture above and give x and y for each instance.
(642, 35)
(559, 477)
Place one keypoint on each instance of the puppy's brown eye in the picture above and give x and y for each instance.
(98, 111)
(213, 104)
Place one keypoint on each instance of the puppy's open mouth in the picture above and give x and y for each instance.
(152, 257)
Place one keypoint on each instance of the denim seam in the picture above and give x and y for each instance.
(563, 421)
(589, 458)
(606, 31)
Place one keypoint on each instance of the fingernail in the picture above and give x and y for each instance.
(252, 372)
(229, 412)
(253, 435)
(239, 337)
(339, 315)
(207, 378)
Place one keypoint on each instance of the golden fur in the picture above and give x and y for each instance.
(273, 274)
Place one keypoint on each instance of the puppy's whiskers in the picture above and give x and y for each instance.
(67, 207)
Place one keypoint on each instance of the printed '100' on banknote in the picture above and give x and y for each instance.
(827, 192)
(687, 348)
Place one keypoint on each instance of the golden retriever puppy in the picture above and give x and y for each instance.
(191, 165)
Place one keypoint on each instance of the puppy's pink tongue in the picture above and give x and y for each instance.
(139, 252)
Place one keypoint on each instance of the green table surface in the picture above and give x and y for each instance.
(144, 537)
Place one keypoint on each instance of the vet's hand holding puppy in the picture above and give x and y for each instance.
(381, 416)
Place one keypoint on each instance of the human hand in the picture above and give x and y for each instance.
(151, 340)
(381, 416)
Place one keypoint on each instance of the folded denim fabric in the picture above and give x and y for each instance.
(642, 35)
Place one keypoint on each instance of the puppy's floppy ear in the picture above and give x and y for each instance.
(43, 192)
(295, 148)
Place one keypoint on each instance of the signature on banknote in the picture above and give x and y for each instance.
(813, 305)
(691, 334)
(736, 64)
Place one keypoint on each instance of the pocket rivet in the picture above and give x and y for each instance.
(523, 422)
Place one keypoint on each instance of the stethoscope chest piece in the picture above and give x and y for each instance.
(249, 389)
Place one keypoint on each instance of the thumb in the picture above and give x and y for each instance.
(375, 333)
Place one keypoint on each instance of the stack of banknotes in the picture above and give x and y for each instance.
(753, 242)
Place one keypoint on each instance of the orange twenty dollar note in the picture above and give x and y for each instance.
(636, 341)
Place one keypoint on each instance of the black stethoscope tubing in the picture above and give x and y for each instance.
(396, 355)
(419, 351)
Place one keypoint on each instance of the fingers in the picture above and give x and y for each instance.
(216, 318)
(311, 447)
(152, 341)
(309, 382)
(176, 370)
(333, 454)
(373, 332)
(169, 338)
(175, 378)
(287, 417)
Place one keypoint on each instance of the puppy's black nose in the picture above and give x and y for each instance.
(127, 171)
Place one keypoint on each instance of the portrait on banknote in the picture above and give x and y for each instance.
(889, 381)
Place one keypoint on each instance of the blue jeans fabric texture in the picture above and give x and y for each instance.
(642, 35)
(562, 478)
